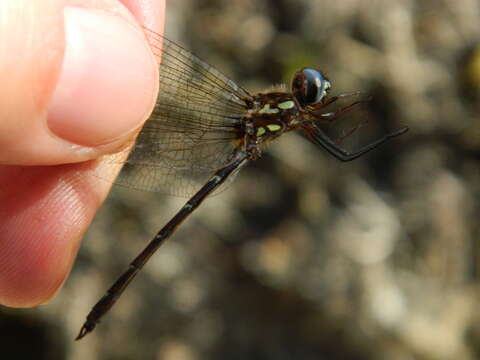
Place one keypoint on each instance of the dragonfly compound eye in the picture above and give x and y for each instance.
(310, 86)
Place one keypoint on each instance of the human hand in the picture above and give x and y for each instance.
(77, 79)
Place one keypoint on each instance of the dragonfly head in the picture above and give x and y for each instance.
(310, 87)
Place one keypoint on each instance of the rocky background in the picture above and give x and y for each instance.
(303, 257)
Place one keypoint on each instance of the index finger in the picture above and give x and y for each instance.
(44, 211)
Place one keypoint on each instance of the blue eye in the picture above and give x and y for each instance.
(310, 86)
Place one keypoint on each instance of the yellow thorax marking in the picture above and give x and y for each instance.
(273, 127)
(267, 110)
(286, 105)
(261, 131)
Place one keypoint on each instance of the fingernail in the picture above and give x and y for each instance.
(107, 83)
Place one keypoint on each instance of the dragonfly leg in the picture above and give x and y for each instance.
(320, 138)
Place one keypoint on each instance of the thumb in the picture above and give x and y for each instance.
(75, 81)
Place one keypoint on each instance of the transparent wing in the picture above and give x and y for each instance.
(193, 129)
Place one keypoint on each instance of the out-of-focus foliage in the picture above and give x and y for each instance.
(304, 257)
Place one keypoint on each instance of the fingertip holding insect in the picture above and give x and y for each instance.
(107, 86)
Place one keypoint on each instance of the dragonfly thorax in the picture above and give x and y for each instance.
(272, 114)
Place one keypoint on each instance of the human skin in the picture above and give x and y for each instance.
(65, 100)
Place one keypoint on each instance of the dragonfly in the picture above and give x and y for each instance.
(205, 128)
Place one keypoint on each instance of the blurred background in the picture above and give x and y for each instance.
(303, 257)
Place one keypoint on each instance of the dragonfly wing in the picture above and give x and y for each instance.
(193, 130)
